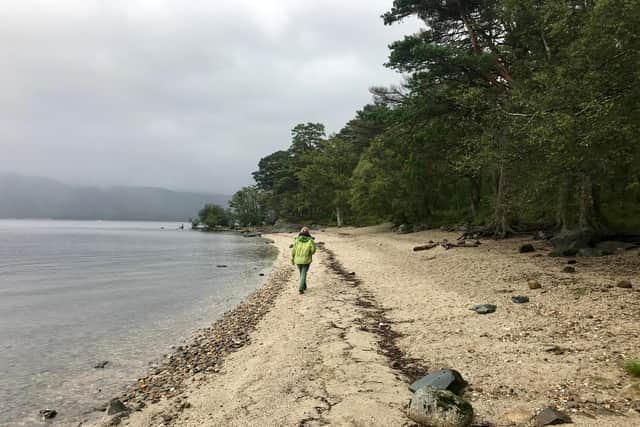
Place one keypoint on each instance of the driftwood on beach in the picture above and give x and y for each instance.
(447, 245)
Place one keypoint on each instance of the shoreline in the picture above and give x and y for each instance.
(91, 308)
(377, 315)
(203, 352)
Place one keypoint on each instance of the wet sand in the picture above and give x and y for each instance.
(345, 351)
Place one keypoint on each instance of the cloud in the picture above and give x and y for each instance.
(180, 94)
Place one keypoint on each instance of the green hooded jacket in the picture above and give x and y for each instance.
(303, 249)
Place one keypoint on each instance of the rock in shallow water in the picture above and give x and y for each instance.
(444, 379)
(116, 407)
(48, 414)
(439, 408)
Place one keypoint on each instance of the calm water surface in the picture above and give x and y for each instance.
(74, 293)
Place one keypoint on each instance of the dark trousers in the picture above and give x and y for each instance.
(304, 268)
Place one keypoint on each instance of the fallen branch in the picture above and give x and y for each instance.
(493, 232)
(475, 233)
(425, 247)
(447, 245)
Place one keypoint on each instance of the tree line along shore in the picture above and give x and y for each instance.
(512, 116)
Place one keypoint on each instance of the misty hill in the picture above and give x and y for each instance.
(36, 197)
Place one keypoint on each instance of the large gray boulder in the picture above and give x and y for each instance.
(611, 247)
(444, 379)
(404, 229)
(439, 408)
(569, 243)
(282, 226)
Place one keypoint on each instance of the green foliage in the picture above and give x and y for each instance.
(374, 180)
(633, 367)
(276, 178)
(212, 216)
(513, 113)
(312, 179)
(275, 172)
(247, 207)
(306, 138)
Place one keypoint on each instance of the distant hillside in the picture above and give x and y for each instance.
(36, 197)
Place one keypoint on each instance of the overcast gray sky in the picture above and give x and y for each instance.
(183, 94)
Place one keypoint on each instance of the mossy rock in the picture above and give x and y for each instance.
(439, 408)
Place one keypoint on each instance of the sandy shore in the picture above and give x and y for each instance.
(344, 352)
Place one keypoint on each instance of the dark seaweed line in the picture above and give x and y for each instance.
(375, 320)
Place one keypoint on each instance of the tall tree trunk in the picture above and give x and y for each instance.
(589, 207)
(338, 216)
(502, 214)
(562, 208)
(476, 187)
(468, 23)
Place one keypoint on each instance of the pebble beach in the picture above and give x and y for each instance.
(378, 316)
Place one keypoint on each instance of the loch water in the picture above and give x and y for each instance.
(76, 293)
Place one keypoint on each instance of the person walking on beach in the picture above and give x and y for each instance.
(302, 252)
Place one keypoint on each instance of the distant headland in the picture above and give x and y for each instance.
(28, 197)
